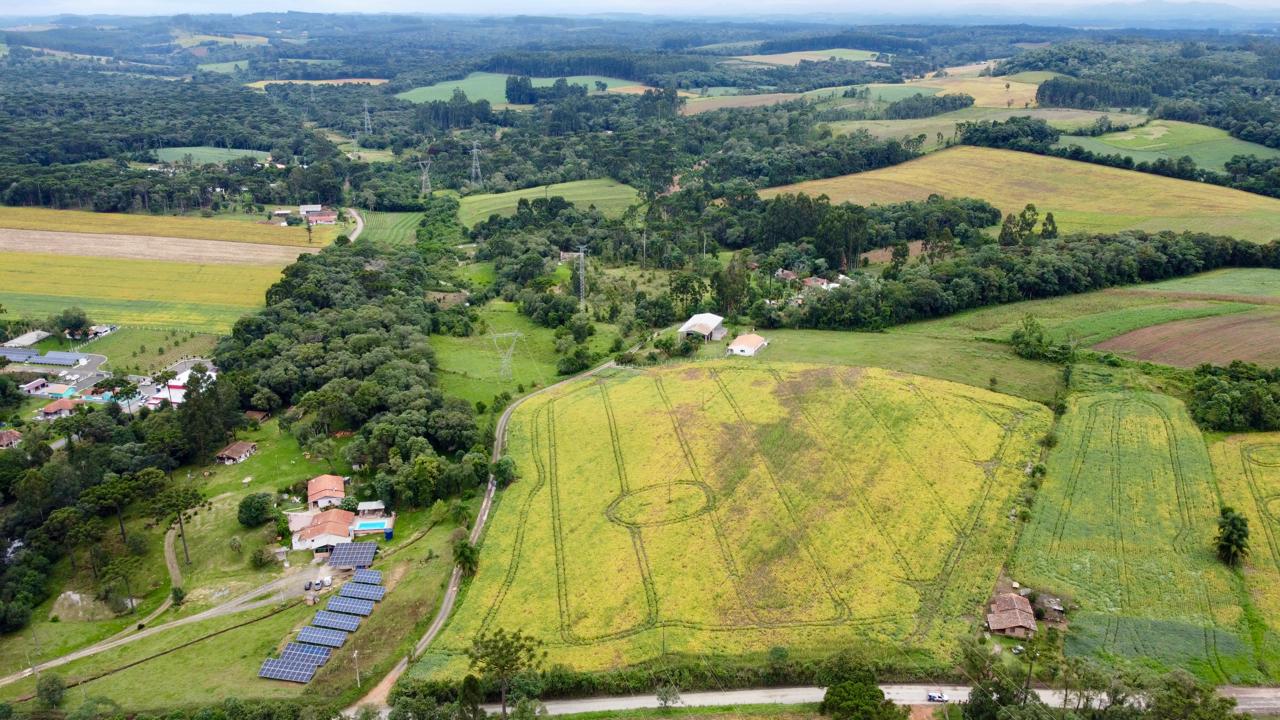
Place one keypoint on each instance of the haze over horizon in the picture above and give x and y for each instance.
(710, 8)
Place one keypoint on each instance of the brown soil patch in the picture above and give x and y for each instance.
(144, 247)
(693, 107)
(1252, 336)
(881, 256)
(923, 712)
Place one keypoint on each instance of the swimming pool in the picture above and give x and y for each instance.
(380, 524)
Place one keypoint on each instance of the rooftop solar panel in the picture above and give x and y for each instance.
(353, 554)
(322, 636)
(350, 606)
(313, 653)
(370, 577)
(290, 670)
(336, 621)
(361, 591)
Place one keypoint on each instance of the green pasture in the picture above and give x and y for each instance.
(493, 87)
(205, 154)
(1209, 147)
(395, 228)
(1232, 281)
(608, 196)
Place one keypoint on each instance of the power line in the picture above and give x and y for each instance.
(505, 350)
(476, 177)
(582, 273)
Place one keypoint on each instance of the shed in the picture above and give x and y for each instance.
(747, 345)
(258, 416)
(371, 508)
(28, 339)
(9, 438)
(236, 452)
(704, 326)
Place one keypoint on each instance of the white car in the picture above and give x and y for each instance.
(937, 697)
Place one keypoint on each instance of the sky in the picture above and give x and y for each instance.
(508, 7)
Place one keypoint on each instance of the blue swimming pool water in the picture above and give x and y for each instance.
(371, 525)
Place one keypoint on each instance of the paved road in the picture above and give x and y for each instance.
(1256, 701)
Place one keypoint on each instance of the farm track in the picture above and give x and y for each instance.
(147, 247)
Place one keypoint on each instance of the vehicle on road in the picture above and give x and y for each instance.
(937, 697)
(307, 586)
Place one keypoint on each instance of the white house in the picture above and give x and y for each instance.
(747, 345)
(304, 209)
(328, 528)
(704, 326)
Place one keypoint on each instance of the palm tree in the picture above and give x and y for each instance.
(1233, 536)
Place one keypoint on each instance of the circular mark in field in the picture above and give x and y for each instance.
(1271, 506)
(1267, 455)
(663, 504)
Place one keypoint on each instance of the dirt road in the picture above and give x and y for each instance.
(144, 247)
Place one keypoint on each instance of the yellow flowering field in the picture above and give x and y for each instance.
(1124, 527)
(727, 507)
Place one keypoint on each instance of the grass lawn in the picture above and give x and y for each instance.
(966, 361)
(223, 226)
(395, 228)
(1209, 147)
(142, 351)
(1082, 196)
(1064, 119)
(1088, 317)
(608, 196)
(726, 507)
(204, 154)
(479, 273)
(415, 567)
(471, 367)
(493, 87)
(203, 298)
(1261, 282)
(224, 67)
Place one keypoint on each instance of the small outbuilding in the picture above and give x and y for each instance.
(236, 452)
(326, 490)
(747, 345)
(371, 508)
(704, 326)
(9, 439)
(258, 416)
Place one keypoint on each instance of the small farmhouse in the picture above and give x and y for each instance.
(704, 326)
(816, 283)
(236, 452)
(323, 217)
(328, 528)
(35, 387)
(9, 439)
(258, 416)
(59, 408)
(747, 345)
(326, 490)
(371, 508)
(785, 275)
(1011, 615)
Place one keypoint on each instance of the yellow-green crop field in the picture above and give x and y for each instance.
(1248, 471)
(147, 293)
(1081, 196)
(232, 228)
(1124, 526)
(726, 507)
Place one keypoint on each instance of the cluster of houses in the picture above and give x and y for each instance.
(311, 214)
(709, 327)
(324, 524)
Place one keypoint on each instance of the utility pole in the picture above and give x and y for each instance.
(355, 658)
(368, 121)
(476, 177)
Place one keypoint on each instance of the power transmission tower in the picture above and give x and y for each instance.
(424, 164)
(476, 177)
(506, 350)
(368, 121)
(582, 273)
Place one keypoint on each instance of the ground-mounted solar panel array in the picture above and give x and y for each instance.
(358, 555)
(361, 591)
(329, 628)
(350, 606)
